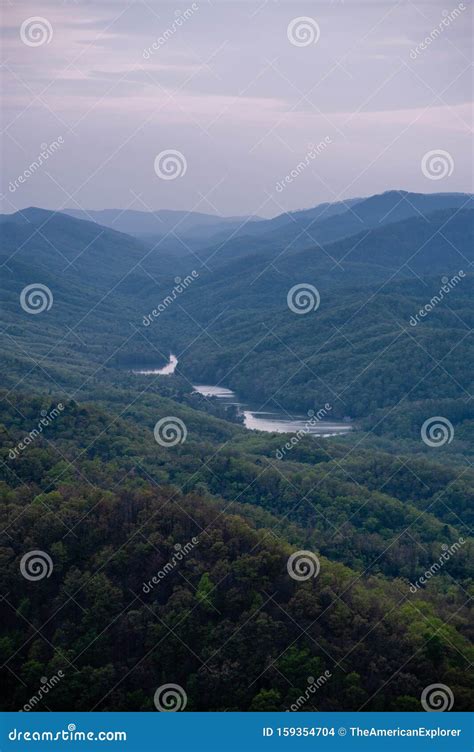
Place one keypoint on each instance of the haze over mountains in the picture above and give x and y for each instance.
(180, 224)
(384, 237)
(387, 207)
(233, 323)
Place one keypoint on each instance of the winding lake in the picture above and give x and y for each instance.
(258, 419)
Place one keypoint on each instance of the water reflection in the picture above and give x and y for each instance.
(275, 420)
(278, 421)
(166, 370)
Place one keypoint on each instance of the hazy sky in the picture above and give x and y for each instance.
(239, 93)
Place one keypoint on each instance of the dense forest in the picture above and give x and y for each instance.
(228, 624)
(216, 516)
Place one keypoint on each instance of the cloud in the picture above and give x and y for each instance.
(229, 90)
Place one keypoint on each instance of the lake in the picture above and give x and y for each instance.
(166, 370)
(257, 418)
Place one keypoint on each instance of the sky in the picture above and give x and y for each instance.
(233, 108)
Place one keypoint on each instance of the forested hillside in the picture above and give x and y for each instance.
(213, 511)
(111, 508)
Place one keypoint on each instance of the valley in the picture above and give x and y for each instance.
(279, 401)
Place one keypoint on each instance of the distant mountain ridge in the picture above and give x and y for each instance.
(224, 238)
(160, 223)
(333, 222)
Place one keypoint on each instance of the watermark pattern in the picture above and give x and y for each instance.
(170, 431)
(437, 698)
(448, 552)
(36, 31)
(179, 20)
(437, 431)
(314, 419)
(44, 422)
(313, 152)
(313, 686)
(170, 164)
(46, 686)
(47, 150)
(180, 287)
(240, 90)
(180, 553)
(447, 285)
(170, 698)
(303, 565)
(437, 164)
(303, 31)
(35, 565)
(303, 298)
(448, 17)
(36, 298)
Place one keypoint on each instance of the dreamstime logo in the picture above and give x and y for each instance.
(446, 21)
(46, 686)
(45, 420)
(437, 164)
(303, 298)
(35, 565)
(313, 152)
(170, 698)
(302, 565)
(447, 285)
(36, 31)
(47, 150)
(436, 698)
(303, 31)
(314, 419)
(180, 286)
(170, 431)
(179, 20)
(180, 553)
(36, 298)
(313, 686)
(170, 164)
(448, 552)
(71, 733)
(437, 431)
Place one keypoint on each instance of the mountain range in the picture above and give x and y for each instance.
(111, 505)
(370, 285)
